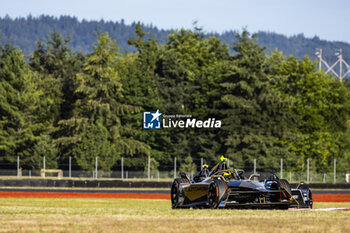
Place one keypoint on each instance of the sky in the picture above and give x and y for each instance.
(329, 20)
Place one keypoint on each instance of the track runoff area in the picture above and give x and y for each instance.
(318, 195)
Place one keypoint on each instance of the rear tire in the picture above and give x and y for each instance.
(310, 203)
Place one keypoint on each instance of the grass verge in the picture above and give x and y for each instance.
(131, 215)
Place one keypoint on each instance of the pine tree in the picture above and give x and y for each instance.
(188, 166)
(45, 146)
(94, 143)
(253, 110)
(187, 72)
(58, 65)
(98, 108)
(20, 106)
(141, 88)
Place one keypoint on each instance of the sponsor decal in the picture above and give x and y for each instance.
(152, 120)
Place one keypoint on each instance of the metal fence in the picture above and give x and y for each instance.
(163, 173)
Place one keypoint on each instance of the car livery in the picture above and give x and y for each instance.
(232, 188)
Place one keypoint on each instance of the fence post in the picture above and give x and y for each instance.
(96, 174)
(201, 164)
(149, 168)
(18, 167)
(281, 168)
(324, 177)
(254, 166)
(126, 175)
(44, 166)
(158, 176)
(122, 167)
(70, 167)
(174, 167)
(290, 177)
(335, 171)
(308, 172)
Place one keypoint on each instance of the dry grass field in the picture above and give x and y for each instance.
(135, 215)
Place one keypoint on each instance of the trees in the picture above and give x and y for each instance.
(320, 104)
(22, 117)
(60, 104)
(58, 65)
(98, 110)
(95, 142)
(13, 136)
(24, 32)
(188, 166)
(141, 88)
(251, 107)
(184, 61)
(187, 70)
(45, 147)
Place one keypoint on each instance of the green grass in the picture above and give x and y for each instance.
(121, 215)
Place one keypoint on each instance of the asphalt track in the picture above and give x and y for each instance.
(318, 195)
(148, 191)
(87, 193)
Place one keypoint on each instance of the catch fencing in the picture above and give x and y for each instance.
(162, 173)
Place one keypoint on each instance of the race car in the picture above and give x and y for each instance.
(232, 188)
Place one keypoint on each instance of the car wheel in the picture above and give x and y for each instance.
(215, 193)
(174, 193)
(310, 199)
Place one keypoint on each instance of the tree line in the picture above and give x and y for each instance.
(60, 103)
(23, 32)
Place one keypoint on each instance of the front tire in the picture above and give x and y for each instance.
(216, 192)
(174, 193)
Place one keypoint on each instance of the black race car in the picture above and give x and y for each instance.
(225, 188)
